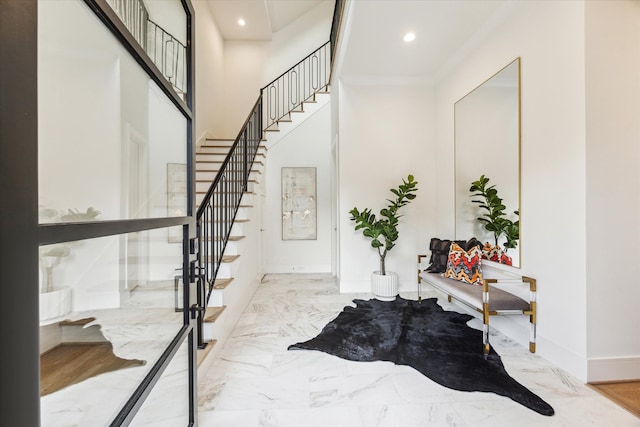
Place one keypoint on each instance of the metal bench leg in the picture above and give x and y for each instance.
(533, 316)
(486, 347)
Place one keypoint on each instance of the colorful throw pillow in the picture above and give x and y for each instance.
(495, 254)
(440, 252)
(465, 265)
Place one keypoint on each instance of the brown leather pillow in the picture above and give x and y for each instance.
(440, 251)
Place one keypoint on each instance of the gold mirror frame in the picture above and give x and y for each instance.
(487, 141)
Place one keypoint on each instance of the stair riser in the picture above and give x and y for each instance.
(211, 157)
(232, 248)
(247, 199)
(210, 175)
(204, 186)
(237, 230)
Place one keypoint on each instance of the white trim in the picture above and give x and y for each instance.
(300, 269)
(206, 134)
(613, 368)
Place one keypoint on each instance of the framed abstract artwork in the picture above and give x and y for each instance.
(299, 211)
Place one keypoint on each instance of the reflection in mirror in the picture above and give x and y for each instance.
(487, 142)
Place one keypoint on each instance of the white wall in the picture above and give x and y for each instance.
(308, 145)
(613, 198)
(386, 133)
(209, 74)
(549, 37)
(250, 65)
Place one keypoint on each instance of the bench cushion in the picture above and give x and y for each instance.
(499, 300)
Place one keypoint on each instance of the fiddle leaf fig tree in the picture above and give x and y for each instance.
(494, 218)
(383, 230)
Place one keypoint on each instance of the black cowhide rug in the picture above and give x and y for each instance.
(436, 342)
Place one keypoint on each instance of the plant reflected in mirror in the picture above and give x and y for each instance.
(487, 143)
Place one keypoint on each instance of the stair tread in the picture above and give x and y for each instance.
(222, 283)
(226, 258)
(79, 322)
(237, 220)
(202, 353)
(231, 238)
(217, 192)
(235, 180)
(215, 171)
(258, 162)
(211, 314)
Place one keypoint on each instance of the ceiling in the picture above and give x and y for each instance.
(444, 30)
(263, 17)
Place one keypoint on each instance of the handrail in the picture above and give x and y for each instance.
(298, 63)
(228, 158)
(335, 29)
(297, 85)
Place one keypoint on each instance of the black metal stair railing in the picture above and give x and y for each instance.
(134, 15)
(219, 207)
(297, 85)
(335, 27)
(167, 52)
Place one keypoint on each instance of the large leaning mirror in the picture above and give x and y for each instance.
(487, 142)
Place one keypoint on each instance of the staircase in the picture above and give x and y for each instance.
(209, 158)
(231, 290)
(228, 208)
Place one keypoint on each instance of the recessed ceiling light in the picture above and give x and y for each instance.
(241, 22)
(409, 37)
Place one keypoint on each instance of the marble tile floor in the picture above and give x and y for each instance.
(255, 381)
(135, 334)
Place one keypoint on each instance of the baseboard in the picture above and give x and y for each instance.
(280, 269)
(613, 369)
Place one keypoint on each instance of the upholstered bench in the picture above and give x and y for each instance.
(487, 299)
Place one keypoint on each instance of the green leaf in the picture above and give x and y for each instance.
(383, 232)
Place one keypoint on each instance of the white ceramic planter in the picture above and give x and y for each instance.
(385, 287)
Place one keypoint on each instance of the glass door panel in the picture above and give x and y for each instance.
(159, 27)
(107, 313)
(111, 145)
(165, 407)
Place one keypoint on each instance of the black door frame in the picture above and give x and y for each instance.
(20, 232)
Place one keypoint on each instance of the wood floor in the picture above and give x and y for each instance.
(68, 364)
(625, 394)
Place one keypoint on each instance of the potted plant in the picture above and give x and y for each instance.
(383, 232)
(494, 218)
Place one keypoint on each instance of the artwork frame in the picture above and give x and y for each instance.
(299, 203)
